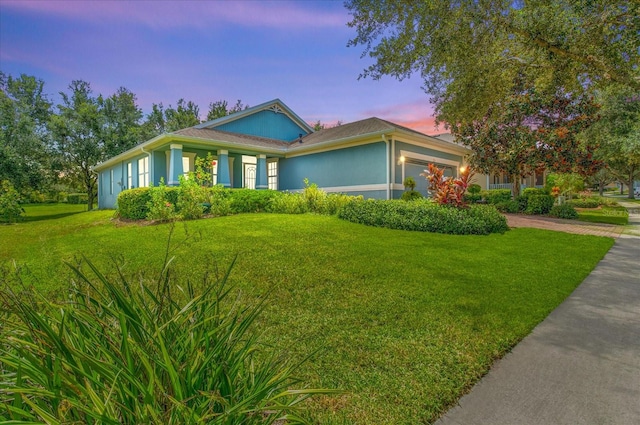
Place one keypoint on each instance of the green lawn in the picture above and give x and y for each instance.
(404, 322)
(605, 214)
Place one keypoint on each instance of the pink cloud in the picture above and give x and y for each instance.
(198, 14)
(417, 115)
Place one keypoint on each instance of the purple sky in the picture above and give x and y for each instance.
(206, 51)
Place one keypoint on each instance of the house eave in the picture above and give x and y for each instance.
(172, 137)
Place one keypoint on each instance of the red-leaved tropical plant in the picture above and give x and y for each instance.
(448, 190)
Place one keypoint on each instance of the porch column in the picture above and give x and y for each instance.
(175, 165)
(261, 172)
(223, 168)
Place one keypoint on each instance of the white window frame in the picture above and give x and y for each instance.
(143, 172)
(111, 181)
(129, 175)
(272, 174)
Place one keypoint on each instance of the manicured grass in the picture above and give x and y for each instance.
(605, 214)
(37, 212)
(405, 322)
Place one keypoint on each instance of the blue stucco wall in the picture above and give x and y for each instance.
(106, 199)
(265, 124)
(359, 165)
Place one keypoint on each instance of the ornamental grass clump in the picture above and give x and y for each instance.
(123, 352)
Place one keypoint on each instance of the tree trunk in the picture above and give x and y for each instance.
(631, 194)
(621, 188)
(515, 186)
(601, 189)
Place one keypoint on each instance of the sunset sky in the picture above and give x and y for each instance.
(206, 51)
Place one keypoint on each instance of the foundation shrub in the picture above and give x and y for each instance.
(426, 216)
(251, 201)
(192, 200)
(336, 201)
(411, 195)
(163, 203)
(220, 201)
(289, 203)
(133, 203)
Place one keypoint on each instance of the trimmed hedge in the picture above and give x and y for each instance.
(411, 195)
(495, 196)
(564, 211)
(133, 204)
(77, 198)
(523, 199)
(510, 207)
(251, 201)
(425, 216)
(584, 202)
(138, 204)
(539, 204)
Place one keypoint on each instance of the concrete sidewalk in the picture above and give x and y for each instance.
(581, 365)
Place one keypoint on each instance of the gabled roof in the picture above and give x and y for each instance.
(373, 127)
(275, 105)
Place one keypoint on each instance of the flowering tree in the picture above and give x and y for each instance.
(448, 190)
(530, 131)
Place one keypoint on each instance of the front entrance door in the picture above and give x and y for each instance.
(250, 176)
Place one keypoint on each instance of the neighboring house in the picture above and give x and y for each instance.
(501, 180)
(269, 146)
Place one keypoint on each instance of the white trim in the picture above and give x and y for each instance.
(397, 186)
(129, 174)
(440, 146)
(321, 149)
(175, 146)
(357, 188)
(223, 152)
(428, 158)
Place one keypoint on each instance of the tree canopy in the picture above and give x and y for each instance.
(617, 132)
(470, 53)
(24, 114)
(529, 132)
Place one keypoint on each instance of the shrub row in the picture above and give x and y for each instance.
(191, 201)
(564, 211)
(77, 198)
(426, 216)
(495, 196)
(591, 202)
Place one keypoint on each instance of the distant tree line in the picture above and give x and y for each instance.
(46, 147)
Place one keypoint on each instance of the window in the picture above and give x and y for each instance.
(110, 182)
(129, 175)
(272, 175)
(214, 172)
(185, 166)
(143, 172)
